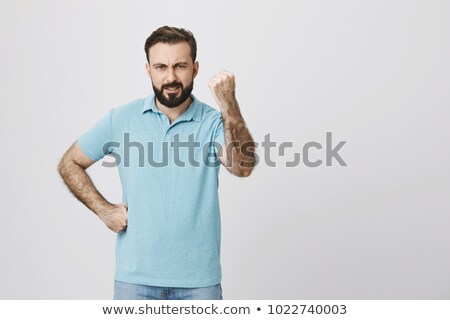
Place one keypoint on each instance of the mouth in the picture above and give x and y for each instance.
(172, 89)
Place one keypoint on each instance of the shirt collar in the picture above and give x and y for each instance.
(192, 113)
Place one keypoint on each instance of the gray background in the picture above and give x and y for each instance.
(376, 74)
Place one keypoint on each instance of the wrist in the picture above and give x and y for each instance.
(104, 208)
(225, 99)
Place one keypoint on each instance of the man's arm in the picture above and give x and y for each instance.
(72, 169)
(238, 153)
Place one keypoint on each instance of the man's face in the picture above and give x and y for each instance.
(172, 72)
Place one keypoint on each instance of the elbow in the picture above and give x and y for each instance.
(61, 167)
(64, 166)
(243, 172)
(246, 172)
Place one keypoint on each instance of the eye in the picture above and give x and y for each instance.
(160, 67)
(181, 66)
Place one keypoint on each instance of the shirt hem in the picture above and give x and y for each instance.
(170, 282)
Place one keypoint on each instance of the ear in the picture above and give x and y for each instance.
(196, 67)
(147, 67)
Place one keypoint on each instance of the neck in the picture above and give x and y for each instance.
(174, 113)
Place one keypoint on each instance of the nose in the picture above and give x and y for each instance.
(171, 76)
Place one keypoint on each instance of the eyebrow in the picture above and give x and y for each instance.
(176, 64)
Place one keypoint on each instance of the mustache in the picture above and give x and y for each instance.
(174, 84)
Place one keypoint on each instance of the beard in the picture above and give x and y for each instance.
(172, 101)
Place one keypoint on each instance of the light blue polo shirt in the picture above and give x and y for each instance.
(174, 231)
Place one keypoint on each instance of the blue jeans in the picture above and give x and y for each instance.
(128, 291)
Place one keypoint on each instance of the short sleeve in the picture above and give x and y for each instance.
(95, 143)
(219, 138)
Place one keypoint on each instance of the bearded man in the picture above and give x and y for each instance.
(168, 224)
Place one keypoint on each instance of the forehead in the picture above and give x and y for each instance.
(169, 52)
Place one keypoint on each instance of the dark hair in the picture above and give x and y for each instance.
(171, 35)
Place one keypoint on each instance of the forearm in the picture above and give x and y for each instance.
(82, 187)
(240, 147)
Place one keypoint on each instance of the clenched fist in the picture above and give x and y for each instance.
(116, 218)
(222, 87)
